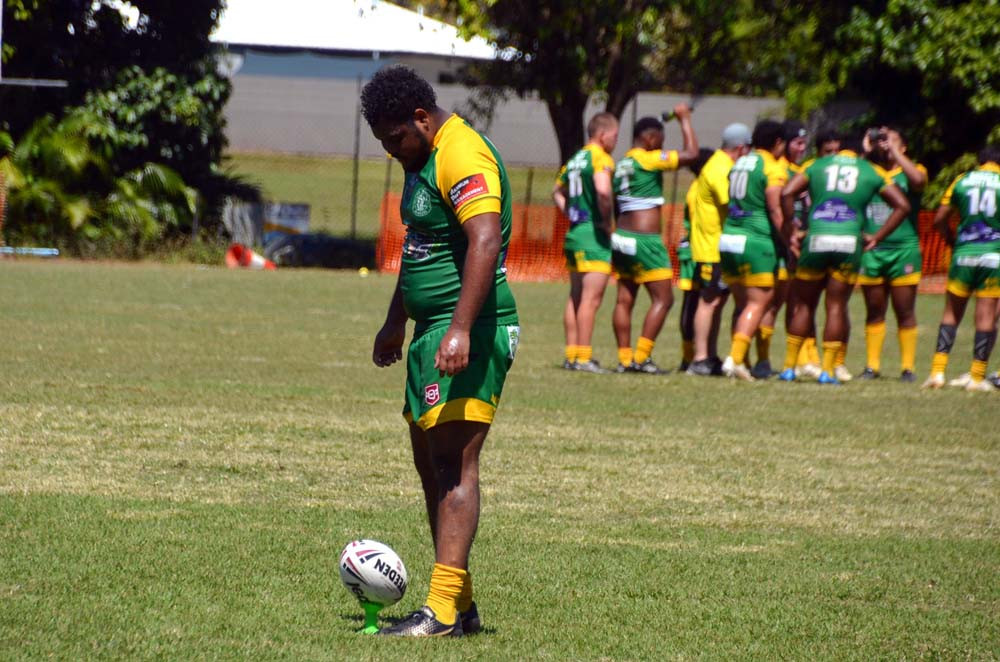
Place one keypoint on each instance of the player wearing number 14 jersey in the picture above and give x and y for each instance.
(840, 188)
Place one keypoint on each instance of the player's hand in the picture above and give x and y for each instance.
(682, 111)
(389, 344)
(795, 245)
(453, 353)
(869, 242)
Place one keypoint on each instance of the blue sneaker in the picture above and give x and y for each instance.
(828, 379)
(787, 375)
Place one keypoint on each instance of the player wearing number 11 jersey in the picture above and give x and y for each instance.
(840, 187)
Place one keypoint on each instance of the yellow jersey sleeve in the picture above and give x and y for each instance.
(718, 184)
(804, 168)
(946, 198)
(601, 160)
(561, 177)
(776, 173)
(655, 159)
(468, 175)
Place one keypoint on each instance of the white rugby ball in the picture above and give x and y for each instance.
(373, 572)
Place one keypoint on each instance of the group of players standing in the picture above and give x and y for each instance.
(769, 227)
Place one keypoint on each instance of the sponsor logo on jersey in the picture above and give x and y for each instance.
(834, 211)
(467, 189)
(420, 204)
(432, 394)
(978, 232)
(417, 246)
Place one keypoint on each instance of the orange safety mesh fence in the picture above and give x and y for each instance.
(535, 251)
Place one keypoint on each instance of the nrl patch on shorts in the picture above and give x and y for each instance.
(432, 394)
(471, 187)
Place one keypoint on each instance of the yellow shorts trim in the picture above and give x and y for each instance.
(590, 266)
(685, 284)
(908, 279)
(849, 279)
(989, 293)
(462, 409)
(959, 289)
(804, 273)
(759, 280)
(783, 273)
(871, 280)
(650, 276)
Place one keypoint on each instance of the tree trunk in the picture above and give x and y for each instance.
(567, 120)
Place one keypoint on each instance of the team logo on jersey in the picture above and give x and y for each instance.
(471, 187)
(420, 205)
(432, 394)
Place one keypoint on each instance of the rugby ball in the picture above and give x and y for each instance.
(373, 572)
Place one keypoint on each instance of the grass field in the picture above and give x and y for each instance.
(184, 451)
(325, 183)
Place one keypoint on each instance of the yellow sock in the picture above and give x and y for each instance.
(465, 597)
(813, 352)
(741, 345)
(874, 339)
(763, 336)
(625, 355)
(808, 353)
(643, 348)
(830, 350)
(571, 353)
(794, 344)
(908, 348)
(446, 586)
(939, 363)
(687, 351)
(978, 371)
(841, 355)
(584, 353)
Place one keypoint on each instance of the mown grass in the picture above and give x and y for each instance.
(184, 451)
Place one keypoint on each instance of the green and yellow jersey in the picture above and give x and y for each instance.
(792, 169)
(638, 180)
(749, 177)
(976, 195)
(711, 205)
(840, 187)
(578, 178)
(878, 213)
(463, 177)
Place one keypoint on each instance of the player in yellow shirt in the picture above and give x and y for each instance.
(583, 193)
(711, 205)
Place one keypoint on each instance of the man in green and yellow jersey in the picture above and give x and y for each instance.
(975, 265)
(829, 257)
(753, 238)
(583, 193)
(796, 142)
(892, 270)
(638, 255)
(456, 206)
(711, 205)
(689, 301)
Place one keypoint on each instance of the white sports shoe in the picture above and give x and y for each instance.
(936, 380)
(842, 373)
(961, 381)
(732, 370)
(982, 386)
(810, 370)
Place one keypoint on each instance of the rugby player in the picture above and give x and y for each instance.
(828, 257)
(583, 193)
(638, 255)
(892, 270)
(711, 204)
(753, 237)
(456, 206)
(689, 302)
(796, 142)
(975, 265)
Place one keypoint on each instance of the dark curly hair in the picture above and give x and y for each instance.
(393, 94)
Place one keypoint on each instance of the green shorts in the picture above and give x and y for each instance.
(587, 249)
(640, 257)
(897, 265)
(975, 273)
(834, 255)
(471, 395)
(685, 265)
(748, 260)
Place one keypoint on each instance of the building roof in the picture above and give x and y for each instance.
(342, 25)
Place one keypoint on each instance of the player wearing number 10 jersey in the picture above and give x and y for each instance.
(840, 188)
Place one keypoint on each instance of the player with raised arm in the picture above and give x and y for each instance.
(456, 206)
(753, 237)
(892, 270)
(708, 211)
(638, 255)
(840, 188)
(975, 265)
(583, 193)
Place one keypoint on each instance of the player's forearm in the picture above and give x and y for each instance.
(559, 197)
(894, 221)
(478, 274)
(689, 151)
(941, 224)
(606, 208)
(772, 196)
(788, 209)
(916, 177)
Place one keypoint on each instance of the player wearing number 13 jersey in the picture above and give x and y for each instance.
(840, 188)
(975, 265)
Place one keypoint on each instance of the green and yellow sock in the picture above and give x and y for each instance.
(446, 586)
(874, 339)
(643, 349)
(763, 337)
(908, 348)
